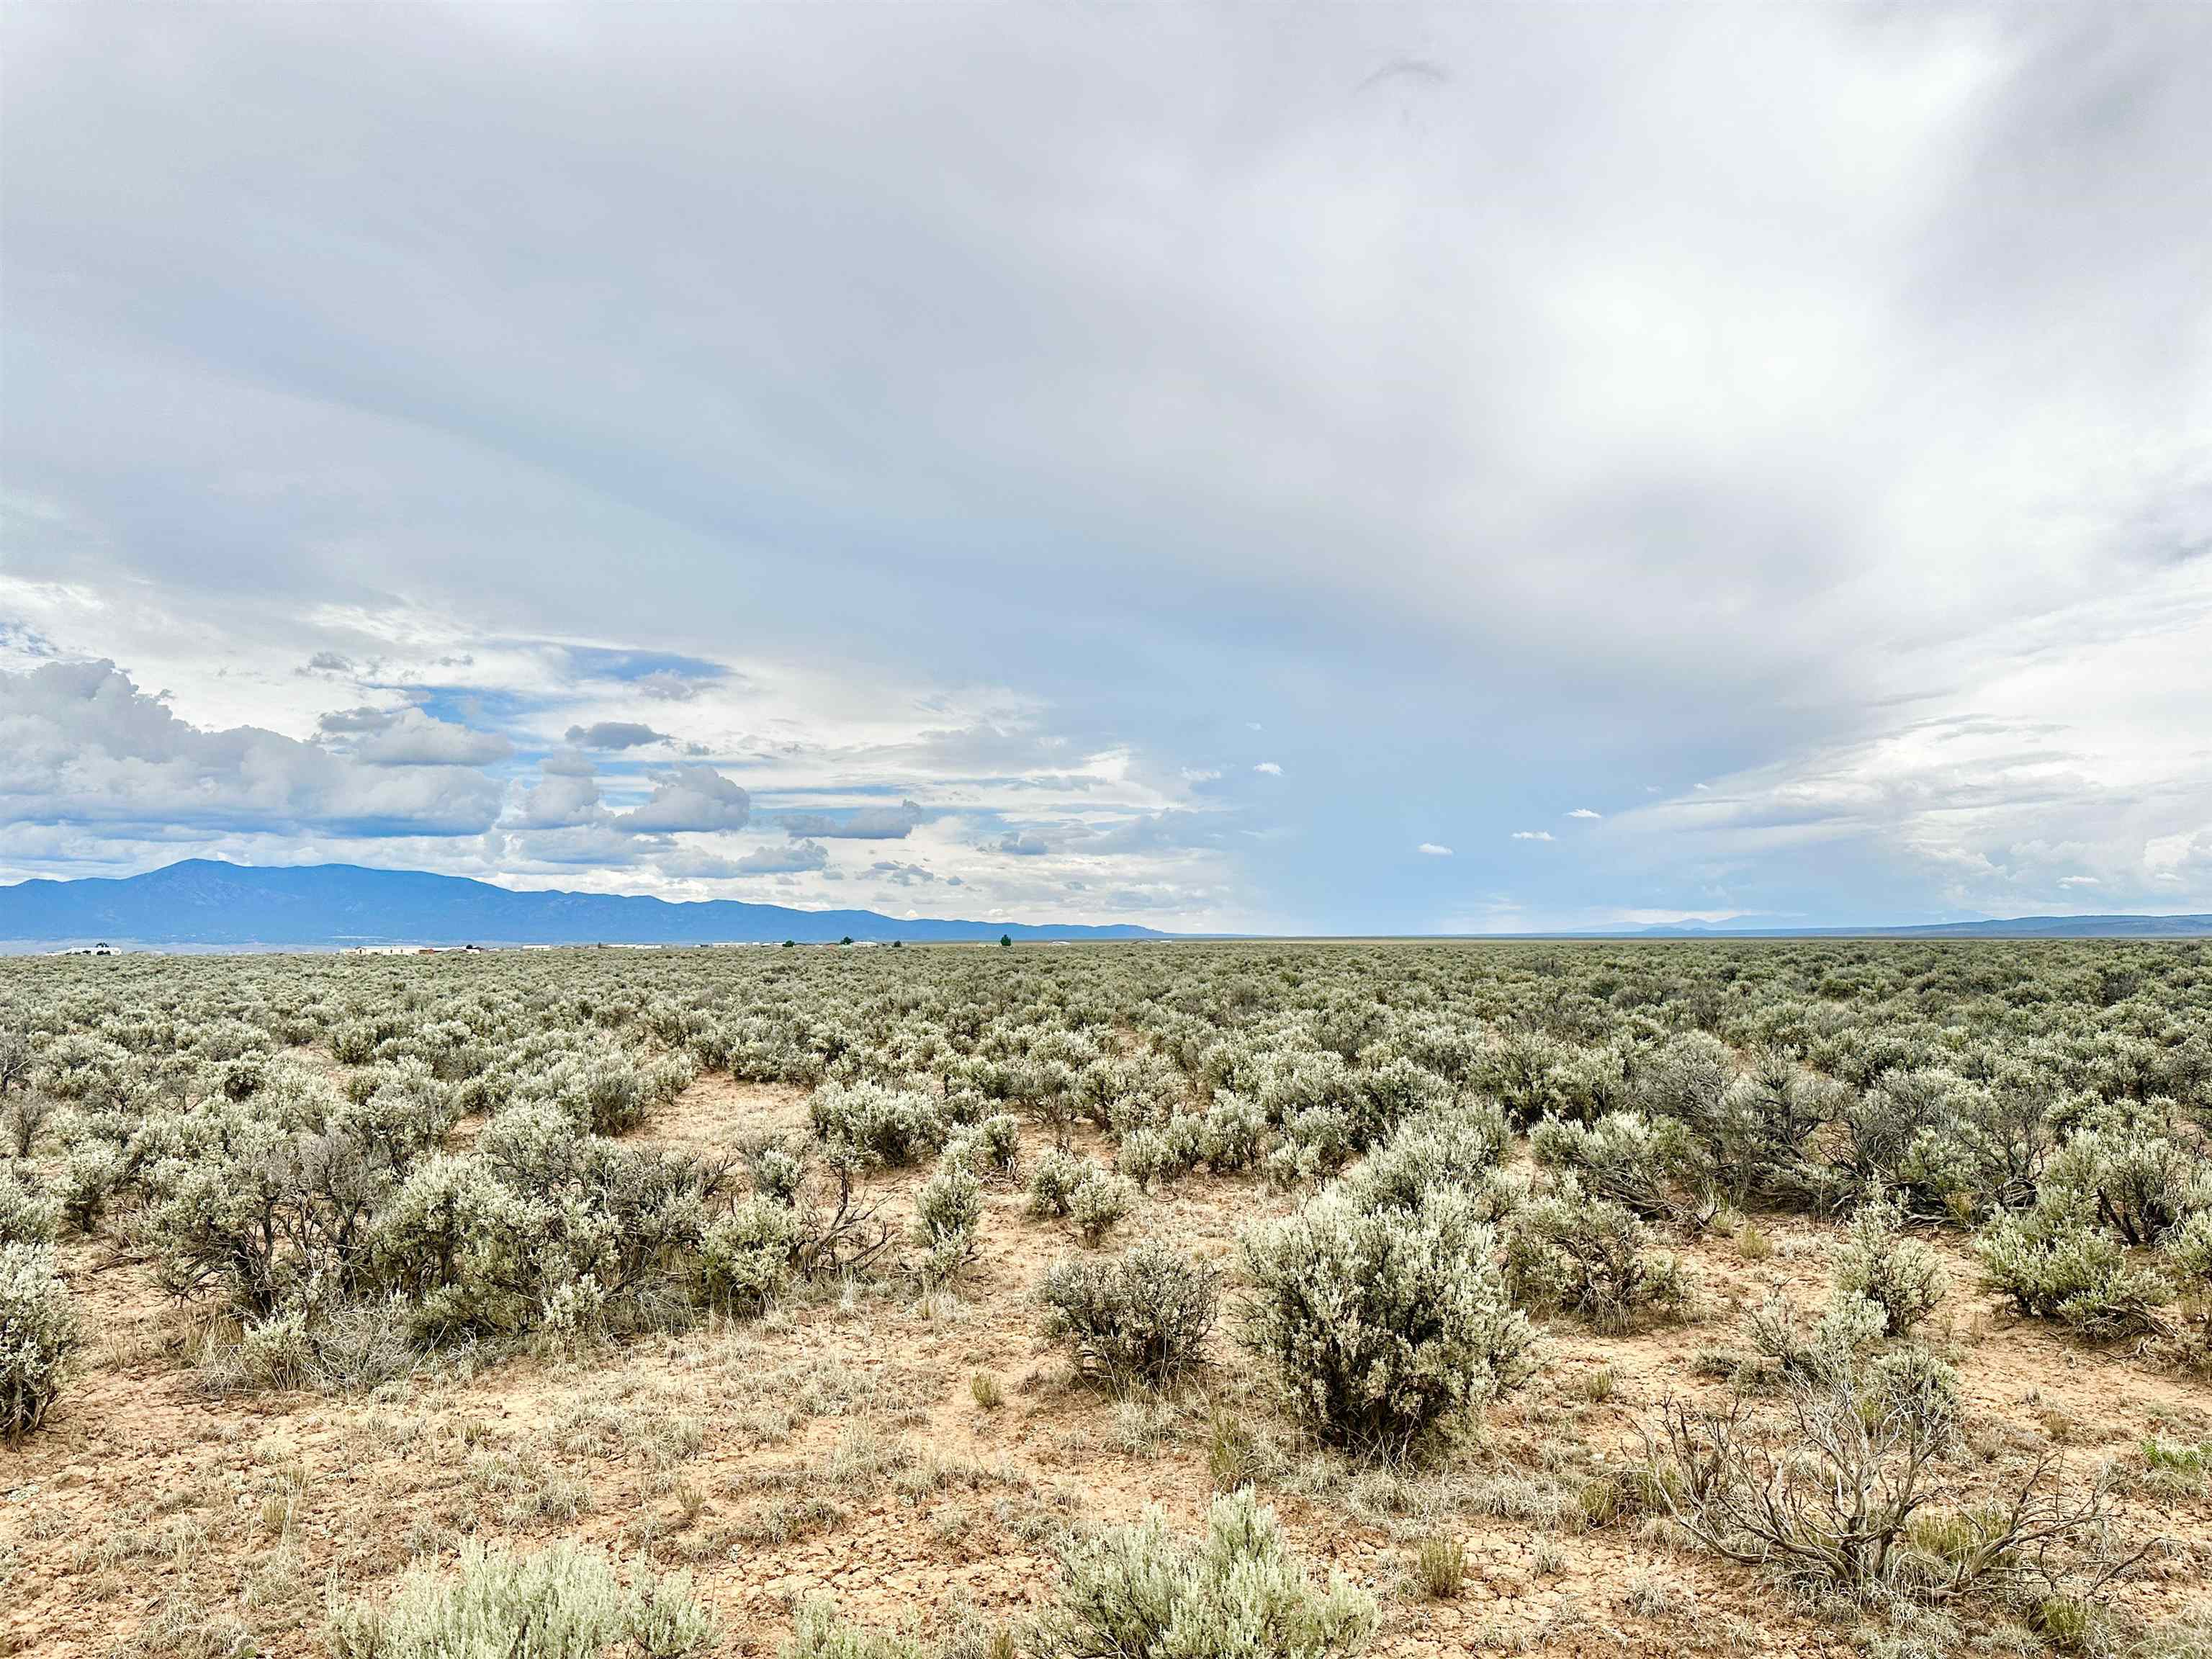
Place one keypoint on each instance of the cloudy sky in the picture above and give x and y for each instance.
(1334, 468)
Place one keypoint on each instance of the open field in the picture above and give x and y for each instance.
(1809, 1297)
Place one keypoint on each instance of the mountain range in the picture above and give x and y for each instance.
(202, 902)
(2109, 926)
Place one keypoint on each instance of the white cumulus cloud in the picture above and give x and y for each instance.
(408, 737)
(692, 798)
(789, 859)
(84, 745)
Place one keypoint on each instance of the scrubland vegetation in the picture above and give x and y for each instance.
(1189, 1302)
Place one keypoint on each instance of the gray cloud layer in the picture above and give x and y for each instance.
(862, 824)
(1811, 403)
(614, 734)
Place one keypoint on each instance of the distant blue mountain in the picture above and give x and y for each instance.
(2114, 927)
(199, 901)
(202, 903)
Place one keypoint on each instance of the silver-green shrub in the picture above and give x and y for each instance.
(23, 1117)
(1054, 1175)
(1587, 1255)
(777, 1170)
(745, 1258)
(1099, 1201)
(818, 1632)
(462, 1246)
(1533, 1074)
(2054, 1261)
(1759, 1137)
(948, 1212)
(38, 1333)
(28, 1214)
(2127, 1166)
(1652, 1166)
(1881, 1263)
(1381, 1323)
(991, 1145)
(879, 1126)
(1140, 1592)
(2188, 1251)
(1442, 1147)
(1142, 1318)
(562, 1602)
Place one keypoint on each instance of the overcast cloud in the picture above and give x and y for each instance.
(1183, 465)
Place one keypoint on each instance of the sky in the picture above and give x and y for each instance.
(1323, 469)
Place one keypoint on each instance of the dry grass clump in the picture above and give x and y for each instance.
(1439, 1567)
